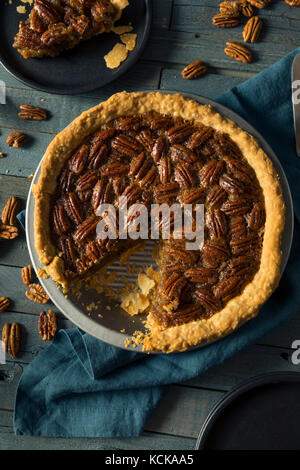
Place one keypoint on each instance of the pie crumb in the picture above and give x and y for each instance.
(30, 177)
(122, 29)
(129, 40)
(134, 303)
(145, 283)
(21, 9)
(117, 55)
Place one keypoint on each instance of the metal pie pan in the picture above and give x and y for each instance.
(262, 413)
(107, 322)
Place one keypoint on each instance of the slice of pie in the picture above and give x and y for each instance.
(163, 149)
(56, 25)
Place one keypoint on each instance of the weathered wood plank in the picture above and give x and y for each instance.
(181, 47)
(210, 85)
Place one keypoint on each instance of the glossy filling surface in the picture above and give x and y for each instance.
(155, 159)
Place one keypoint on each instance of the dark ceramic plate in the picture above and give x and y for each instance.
(260, 414)
(79, 70)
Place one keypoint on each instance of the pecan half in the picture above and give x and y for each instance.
(194, 70)
(179, 152)
(131, 193)
(202, 276)
(32, 112)
(176, 249)
(162, 122)
(185, 313)
(11, 339)
(165, 192)
(240, 266)
(85, 230)
(214, 252)
(173, 286)
(240, 170)
(37, 294)
(68, 249)
(293, 3)
(47, 325)
(230, 9)
(126, 145)
(65, 181)
(259, 3)
(252, 29)
(47, 12)
(244, 245)
(79, 160)
(245, 8)
(256, 217)
(149, 177)
(227, 288)
(164, 169)
(180, 133)
(216, 197)
(10, 211)
(211, 172)
(146, 140)
(9, 232)
(26, 275)
(60, 220)
(238, 52)
(193, 196)
(237, 227)
(140, 166)
(115, 169)
(160, 148)
(4, 304)
(102, 193)
(93, 251)
(185, 176)
(16, 139)
(98, 155)
(222, 21)
(200, 137)
(232, 185)
(129, 123)
(206, 298)
(217, 224)
(73, 207)
(235, 207)
(87, 181)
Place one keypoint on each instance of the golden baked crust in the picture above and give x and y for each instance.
(238, 309)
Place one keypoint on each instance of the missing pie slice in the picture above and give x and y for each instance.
(163, 149)
(57, 25)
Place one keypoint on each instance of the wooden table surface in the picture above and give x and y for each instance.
(181, 33)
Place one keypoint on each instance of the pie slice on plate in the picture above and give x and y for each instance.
(56, 25)
(164, 149)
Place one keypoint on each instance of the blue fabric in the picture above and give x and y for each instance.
(80, 386)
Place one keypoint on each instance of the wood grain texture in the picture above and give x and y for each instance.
(181, 33)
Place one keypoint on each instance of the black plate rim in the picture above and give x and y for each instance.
(247, 385)
(131, 60)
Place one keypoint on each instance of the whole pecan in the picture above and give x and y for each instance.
(11, 339)
(10, 211)
(87, 181)
(37, 294)
(173, 286)
(232, 185)
(16, 139)
(165, 192)
(129, 123)
(230, 9)
(193, 196)
(237, 227)
(68, 249)
(206, 298)
(4, 304)
(8, 231)
(227, 288)
(216, 197)
(73, 207)
(252, 29)
(32, 112)
(47, 325)
(238, 52)
(245, 8)
(194, 70)
(244, 245)
(259, 3)
(222, 21)
(60, 220)
(26, 275)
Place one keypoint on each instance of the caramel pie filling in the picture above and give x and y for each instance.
(156, 159)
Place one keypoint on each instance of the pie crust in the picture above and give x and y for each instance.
(240, 308)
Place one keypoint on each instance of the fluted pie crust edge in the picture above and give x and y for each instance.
(237, 310)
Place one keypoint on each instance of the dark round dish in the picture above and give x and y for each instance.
(78, 70)
(262, 413)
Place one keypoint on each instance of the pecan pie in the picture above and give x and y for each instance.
(158, 148)
(56, 25)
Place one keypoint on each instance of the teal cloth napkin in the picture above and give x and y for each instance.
(80, 386)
